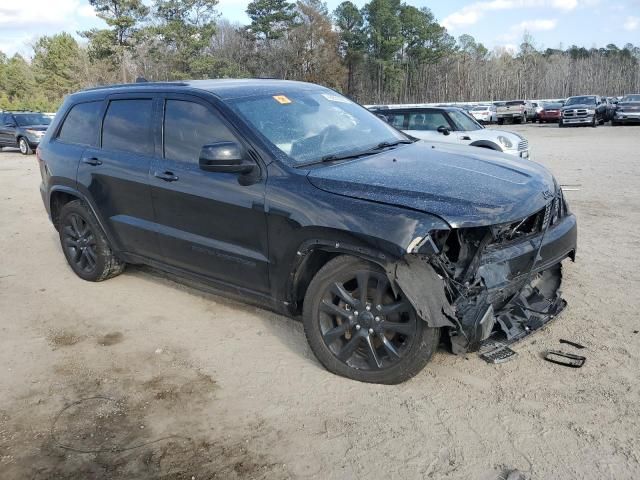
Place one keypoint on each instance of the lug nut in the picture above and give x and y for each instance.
(378, 307)
(371, 331)
(356, 313)
(357, 327)
(377, 319)
(368, 307)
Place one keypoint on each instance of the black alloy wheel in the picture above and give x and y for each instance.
(79, 243)
(358, 328)
(85, 245)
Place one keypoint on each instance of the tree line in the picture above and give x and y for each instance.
(385, 52)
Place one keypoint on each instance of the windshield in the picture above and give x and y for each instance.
(314, 125)
(24, 119)
(552, 106)
(586, 100)
(631, 98)
(463, 121)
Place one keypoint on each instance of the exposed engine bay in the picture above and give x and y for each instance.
(490, 284)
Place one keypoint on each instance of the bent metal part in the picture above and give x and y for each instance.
(487, 284)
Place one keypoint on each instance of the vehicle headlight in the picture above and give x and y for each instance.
(505, 142)
(590, 111)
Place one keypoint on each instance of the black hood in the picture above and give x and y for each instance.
(465, 186)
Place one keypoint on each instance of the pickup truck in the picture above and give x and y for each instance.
(517, 111)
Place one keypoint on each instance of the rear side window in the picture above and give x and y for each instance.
(80, 127)
(188, 126)
(128, 126)
(395, 119)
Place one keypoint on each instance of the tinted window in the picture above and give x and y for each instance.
(81, 124)
(128, 126)
(25, 119)
(188, 126)
(427, 121)
(395, 119)
(515, 102)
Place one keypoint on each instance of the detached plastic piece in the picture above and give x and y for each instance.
(573, 344)
(499, 355)
(565, 359)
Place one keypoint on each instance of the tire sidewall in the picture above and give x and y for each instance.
(23, 141)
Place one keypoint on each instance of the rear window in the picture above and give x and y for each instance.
(80, 127)
(515, 102)
(128, 126)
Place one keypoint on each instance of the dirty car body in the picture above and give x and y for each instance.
(443, 241)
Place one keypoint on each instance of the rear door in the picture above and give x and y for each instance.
(210, 223)
(115, 173)
(7, 132)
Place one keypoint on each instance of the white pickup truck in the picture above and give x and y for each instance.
(516, 111)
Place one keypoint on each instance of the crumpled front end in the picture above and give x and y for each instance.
(496, 283)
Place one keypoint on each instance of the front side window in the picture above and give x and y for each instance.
(463, 121)
(188, 126)
(427, 121)
(127, 126)
(311, 125)
(80, 126)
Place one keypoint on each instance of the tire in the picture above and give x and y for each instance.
(85, 245)
(614, 123)
(560, 124)
(501, 121)
(368, 335)
(594, 124)
(24, 147)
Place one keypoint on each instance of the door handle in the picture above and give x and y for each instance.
(92, 161)
(166, 176)
(465, 137)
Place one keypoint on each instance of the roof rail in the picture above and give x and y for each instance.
(137, 84)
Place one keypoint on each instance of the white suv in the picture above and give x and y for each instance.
(450, 125)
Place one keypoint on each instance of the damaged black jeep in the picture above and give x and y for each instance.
(291, 196)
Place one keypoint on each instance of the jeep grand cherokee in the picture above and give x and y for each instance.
(292, 196)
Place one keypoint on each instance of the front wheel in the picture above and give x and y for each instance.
(358, 328)
(25, 149)
(594, 124)
(85, 245)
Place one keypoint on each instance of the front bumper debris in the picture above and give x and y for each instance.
(491, 286)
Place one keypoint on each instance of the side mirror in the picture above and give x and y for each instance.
(382, 117)
(226, 157)
(444, 130)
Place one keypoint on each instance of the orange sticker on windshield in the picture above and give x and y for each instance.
(281, 99)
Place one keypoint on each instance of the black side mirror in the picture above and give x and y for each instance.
(227, 157)
(444, 130)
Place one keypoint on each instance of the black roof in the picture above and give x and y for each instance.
(223, 88)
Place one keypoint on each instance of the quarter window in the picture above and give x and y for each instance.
(188, 126)
(80, 127)
(128, 126)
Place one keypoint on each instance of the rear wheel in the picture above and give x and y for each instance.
(85, 245)
(359, 329)
(25, 149)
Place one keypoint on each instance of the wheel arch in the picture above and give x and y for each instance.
(486, 144)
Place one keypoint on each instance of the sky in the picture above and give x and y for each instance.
(496, 23)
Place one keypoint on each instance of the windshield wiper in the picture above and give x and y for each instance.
(368, 151)
(346, 156)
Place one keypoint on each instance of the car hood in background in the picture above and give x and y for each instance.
(589, 106)
(465, 186)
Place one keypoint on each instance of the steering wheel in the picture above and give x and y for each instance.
(325, 133)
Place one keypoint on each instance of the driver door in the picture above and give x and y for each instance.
(209, 223)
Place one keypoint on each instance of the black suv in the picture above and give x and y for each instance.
(23, 129)
(292, 196)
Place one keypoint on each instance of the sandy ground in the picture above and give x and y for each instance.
(140, 377)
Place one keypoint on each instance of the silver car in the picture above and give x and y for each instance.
(451, 125)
